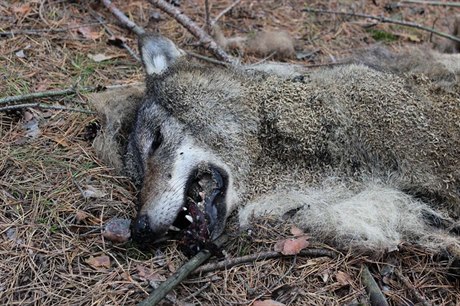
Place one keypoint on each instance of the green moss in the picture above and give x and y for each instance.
(380, 35)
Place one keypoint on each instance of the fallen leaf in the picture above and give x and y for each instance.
(81, 216)
(291, 246)
(147, 274)
(116, 41)
(28, 116)
(325, 276)
(279, 246)
(92, 192)
(413, 38)
(20, 54)
(117, 230)
(343, 278)
(99, 261)
(90, 32)
(100, 57)
(32, 128)
(21, 10)
(267, 303)
(296, 231)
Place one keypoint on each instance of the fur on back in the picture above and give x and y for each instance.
(355, 155)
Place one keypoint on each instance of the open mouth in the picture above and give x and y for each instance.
(204, 201)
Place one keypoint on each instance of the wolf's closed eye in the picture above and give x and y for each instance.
(157, 140)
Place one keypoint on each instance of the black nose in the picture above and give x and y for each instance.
(140, 228)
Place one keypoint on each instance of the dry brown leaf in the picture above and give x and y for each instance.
(99, 261)
(100, 57)
(296, 231)
(294, 246)
(343, 278)
(22, 9)
(90, 32)
(279, 246)
(148, 274)
(267, 303)
(80, 215)
(92, 192)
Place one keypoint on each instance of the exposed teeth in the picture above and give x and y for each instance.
(173, 228)
(189, 218)
(184, 208)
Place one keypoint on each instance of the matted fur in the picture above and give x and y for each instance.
(354, 154)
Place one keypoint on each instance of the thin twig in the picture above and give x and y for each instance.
(159, 293)
(376, 296)
(225, 11)
(193, 28)
(63, 92)
(412, 288)
(225, 264)
(44, 106)
(36, 95)
(125, 21)
(385, 20)
(207, 16)
(41, 31)
(434, 3)
(207, 59)
(197, 292)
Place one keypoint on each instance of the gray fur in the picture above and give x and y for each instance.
(315, 145)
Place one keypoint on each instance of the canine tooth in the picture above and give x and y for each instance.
(184, 208)
(189, 218)
(173, 228)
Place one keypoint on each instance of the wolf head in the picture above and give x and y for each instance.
(166, 159)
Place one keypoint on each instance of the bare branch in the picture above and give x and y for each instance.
(375, 294)
(434, 3)
(125, 21)
(55, 93)
(207, 16)
(159, 293)
(193, 28)
(385, 20)
(225, 264)
(412, 288)
(35, 95)
(44, 106)
(41, 31)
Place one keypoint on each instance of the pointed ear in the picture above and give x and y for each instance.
(157, 53)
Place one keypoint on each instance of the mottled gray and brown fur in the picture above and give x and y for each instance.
(357, 154)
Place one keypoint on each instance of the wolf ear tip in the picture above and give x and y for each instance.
(157, 52)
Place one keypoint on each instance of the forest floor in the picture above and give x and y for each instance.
(55, 193)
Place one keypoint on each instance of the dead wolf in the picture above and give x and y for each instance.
(363, 155)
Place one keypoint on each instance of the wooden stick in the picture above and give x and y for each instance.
(44, 106)
(225, 264)
(41, 94)
(412, 288)
(159, 293)
(375, 294)
(385, 20)
(125, 21)
(193, 28)
(63, 92)
(434, 3)
(41, 31)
